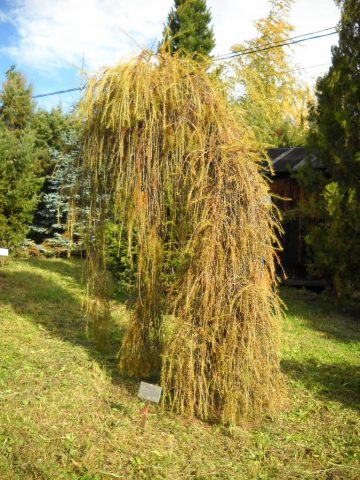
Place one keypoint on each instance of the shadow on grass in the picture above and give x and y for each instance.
(319, 313)
(338, 382)
(72, 268)
(45, 302)
(56, 308)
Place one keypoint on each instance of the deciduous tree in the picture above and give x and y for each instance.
(270, 96)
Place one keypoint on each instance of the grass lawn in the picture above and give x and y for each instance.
(65, 413)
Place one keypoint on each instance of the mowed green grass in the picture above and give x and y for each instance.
(66, 413)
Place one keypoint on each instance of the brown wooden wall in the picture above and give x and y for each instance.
(293, 243)
(288, 189)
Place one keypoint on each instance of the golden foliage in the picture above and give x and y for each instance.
(272, 100)
(164, 156)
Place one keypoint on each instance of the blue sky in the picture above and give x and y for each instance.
(48, 39)
(42, 80)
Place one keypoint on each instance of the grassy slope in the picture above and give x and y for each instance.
(65, 412)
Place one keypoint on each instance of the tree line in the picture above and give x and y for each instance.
(37, 148)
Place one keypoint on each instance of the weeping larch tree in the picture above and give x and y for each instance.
(164, 158)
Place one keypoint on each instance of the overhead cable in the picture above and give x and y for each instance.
(279, 41)
(270, 47)
(291, 41)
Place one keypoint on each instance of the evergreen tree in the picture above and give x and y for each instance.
(17, 106)
(188, 29)
(19, 184)
(51, 215)
(334, 236)
(272, 99)
(57, 144)
(19, 181)
(51, 132)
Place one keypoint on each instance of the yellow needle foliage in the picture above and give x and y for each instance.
(272, 100)
(164, 156)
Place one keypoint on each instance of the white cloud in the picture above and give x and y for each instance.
(3, 17)
(234, 23)
(57, 33)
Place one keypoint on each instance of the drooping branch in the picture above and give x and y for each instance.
(164, 151)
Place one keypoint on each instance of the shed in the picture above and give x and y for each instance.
(286, 162)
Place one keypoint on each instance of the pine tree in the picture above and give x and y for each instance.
(19, 184)
(19, 181)
(17, 106)
(188, 29)
(272, 99)
(50, 127)
(334, 237)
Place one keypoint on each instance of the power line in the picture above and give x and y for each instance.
(279, 41)
(310, 66)
(266, 47)
(269, 46)
(82, 88)
(255, 50)
(58, 92)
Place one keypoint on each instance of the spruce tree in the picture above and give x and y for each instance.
(19, 184)
(17, 106)
(334, 236)
(19, 179)
(188, 29)
(51, 215)
(50, 127)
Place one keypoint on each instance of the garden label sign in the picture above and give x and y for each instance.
(4, 252)
(149, 392)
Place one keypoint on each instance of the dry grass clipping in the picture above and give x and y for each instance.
(164, 156)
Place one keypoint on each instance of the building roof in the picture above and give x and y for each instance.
(287, 160)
